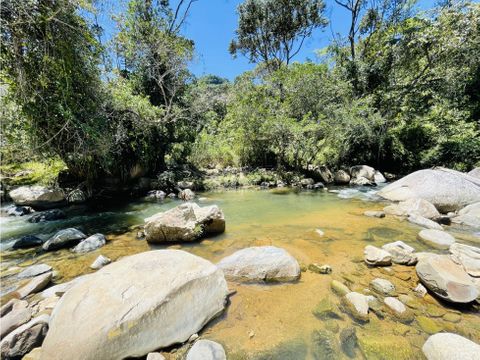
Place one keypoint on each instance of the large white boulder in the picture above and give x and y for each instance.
(446, 279)
(134, 306)
(467, 256)
(447, 189)
(475, 172)
(38, 196)
(186, 222)
(260, 263)
(436, 238)
(448, 346)
(415, 206)
(364, 171)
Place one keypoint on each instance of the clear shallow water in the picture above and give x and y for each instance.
(276, 321)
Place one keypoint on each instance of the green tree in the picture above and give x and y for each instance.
(273, 31)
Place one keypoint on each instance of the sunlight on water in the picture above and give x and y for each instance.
(276, 321)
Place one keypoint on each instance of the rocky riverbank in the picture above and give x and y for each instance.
(405, 289)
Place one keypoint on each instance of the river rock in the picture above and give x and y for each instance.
(364, 171)
(401, 253)
(414, 206)
(206, 350)
(341, 177)
(339, 288)
(24, 338)
(325, 174)
(156, 194)
(446, 279)
(357, 305)
(35, 285)
(377, 214)
(361, 181)
(186, 222)
(76, 196)
(399, 310)
(38, 197)
(382, 286)
(378, 178)
(448, 346)
(26, 242)
(424, 222)
(420, 291)
(64, 238)
(436, 238)
(19, 210)
(186, 195)
(136, 305)
(60, 289)
(467, 256)
(34, 270)
(469, 215)
(48, 215)
(377, 257)
(446, 189)
(155, 356)
(262, 263)
(17, 315)
(91, 243)
(100, 262)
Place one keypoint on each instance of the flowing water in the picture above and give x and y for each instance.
(276, 321)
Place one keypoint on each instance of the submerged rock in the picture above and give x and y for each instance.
(326, 309)
(436, 238)
(383, 286)
(320, 269)
(64, 238)
(49, 215)
(448, 346)
(467, 256)
(27, 241)
(377, 214)
(399, 310)
(206, 350)
(377, 257)
(384, 346)
(38, 196)
(148, 296)
(90, 244)
(348, 341)
(446, 189)
(446, 279)
(324, 345)
(339, 288)
(186, 222)
(262, 263)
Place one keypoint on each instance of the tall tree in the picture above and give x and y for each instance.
(273, 31)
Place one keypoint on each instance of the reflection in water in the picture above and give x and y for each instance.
(278, 321)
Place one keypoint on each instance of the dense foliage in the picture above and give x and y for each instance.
(400, 91)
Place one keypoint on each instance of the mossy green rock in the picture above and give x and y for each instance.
(339, 288)
(452, 317)
(385, 347)
(435, 311)
(324, 345)
(326, 309)
(428, 325)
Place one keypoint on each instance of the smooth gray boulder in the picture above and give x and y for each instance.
(448, 346)
(475, 173)
(446, 189)
(35, 285)
(64, 238)
(206, 350)
(260, 263)
(469, 215)
(436, 238)
(186, 222)
(415, 206)
(446, 279)
(91, 243)
(186, 195)
(424, 222)
(136, 305)
(364, 171)
(24, 338)
(38, 197)
(100, 262)
(18, 315)
(467, 256)
(34, 270)
(379, 178)
(376, 257)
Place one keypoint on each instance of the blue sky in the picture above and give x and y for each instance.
(212, 23)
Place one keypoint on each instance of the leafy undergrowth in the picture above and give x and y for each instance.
(32, 172)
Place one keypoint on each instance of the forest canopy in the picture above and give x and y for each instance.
(399, 92)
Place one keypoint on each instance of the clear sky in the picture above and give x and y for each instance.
(212, 23)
